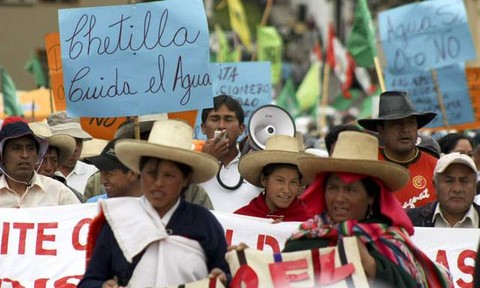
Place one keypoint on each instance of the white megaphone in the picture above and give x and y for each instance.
(267, 121)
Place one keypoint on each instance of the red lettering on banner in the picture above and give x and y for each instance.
(270, 241)
(245, 275)
(278, 272)
(14, 283)
(442, 258)
(63, 282)
(42, 237)
(76, 234)
(23, 227)
(467, 269)
(330, 274)
(229, 236)
(5, 234)
(40, 283)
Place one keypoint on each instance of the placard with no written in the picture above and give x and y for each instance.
(135, 59)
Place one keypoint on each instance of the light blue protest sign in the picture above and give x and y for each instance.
(421, 89)
(135, 59)
(425, 35)
(248, 82)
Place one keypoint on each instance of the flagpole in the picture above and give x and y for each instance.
(440, 98)
(325, 90)
(378, 69)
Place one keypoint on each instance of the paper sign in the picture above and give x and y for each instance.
(421, 89)
(136, 59)
(52, 47)
(425, 35)
(248, 82)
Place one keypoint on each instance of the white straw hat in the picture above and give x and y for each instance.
(169, 140)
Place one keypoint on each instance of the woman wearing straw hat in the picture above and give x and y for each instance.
(159, 239)
(351, 194)
(275, 169)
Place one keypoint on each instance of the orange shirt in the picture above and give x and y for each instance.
(420, 189)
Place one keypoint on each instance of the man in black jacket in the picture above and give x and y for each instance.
(455, 178)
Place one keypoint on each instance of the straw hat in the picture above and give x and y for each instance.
(61, 123)
(278, 149)
(93, 147)
(356, 152)
(64, 143)
(169, 140)
(396, 105)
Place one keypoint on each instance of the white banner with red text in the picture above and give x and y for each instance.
(45, 247)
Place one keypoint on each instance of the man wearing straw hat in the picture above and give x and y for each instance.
(20, 185)
(60, 148)
(397, 127)
(76, 172)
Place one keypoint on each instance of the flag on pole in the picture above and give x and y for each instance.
(287, 100)
(309, 90)
(238, 20)
(34, 66)
(340, 61)
(269, 48)
(11, 104)
(362, 76)
(361, 42)
(223, 54)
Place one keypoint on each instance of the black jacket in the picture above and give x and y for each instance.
(423, 216)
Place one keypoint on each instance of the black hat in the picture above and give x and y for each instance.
(107, 160)
(428, 144)
(396, 105)
(19, 129)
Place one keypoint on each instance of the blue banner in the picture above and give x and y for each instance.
(135, 59)
(425, 35)
(248, 82)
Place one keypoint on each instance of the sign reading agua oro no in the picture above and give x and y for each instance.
(135, 59)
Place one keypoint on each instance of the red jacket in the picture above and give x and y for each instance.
(297, 211)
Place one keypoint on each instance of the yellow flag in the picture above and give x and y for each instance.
(238, 20)
(309, 90)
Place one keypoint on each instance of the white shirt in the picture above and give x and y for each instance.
(77, 179)
(44, 191)
(230, 200)
(470, 220)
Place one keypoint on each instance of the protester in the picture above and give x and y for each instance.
(275, 169)
(117, 179)
(456, 142)
(397, 127)
(332, 135)
(351, 194)
(21, 151)
(228, 191)
(60, 148)
(157, 240)
(76, 172)
(455, 185)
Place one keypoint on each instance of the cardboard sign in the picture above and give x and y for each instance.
(52, 47)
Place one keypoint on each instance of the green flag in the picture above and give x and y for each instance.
(34, 66)
(366, 109)
(343, 104)
(269, 48)
(286, 99)
(11, 105)
(309, 90)
(361, 42)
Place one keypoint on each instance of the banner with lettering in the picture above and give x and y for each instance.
(248, 82)
(135, 59)
(437, 36)
(452, 91)
(45, 247)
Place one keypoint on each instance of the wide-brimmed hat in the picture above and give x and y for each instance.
(107, 160)
(61, 123)
(93, 148)
(396, 105)
(169, 140)
(19, 129)
(278, 149)
(127, 129)
(356, 152)
(64, 143)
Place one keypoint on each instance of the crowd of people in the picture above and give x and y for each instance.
(156, 193)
